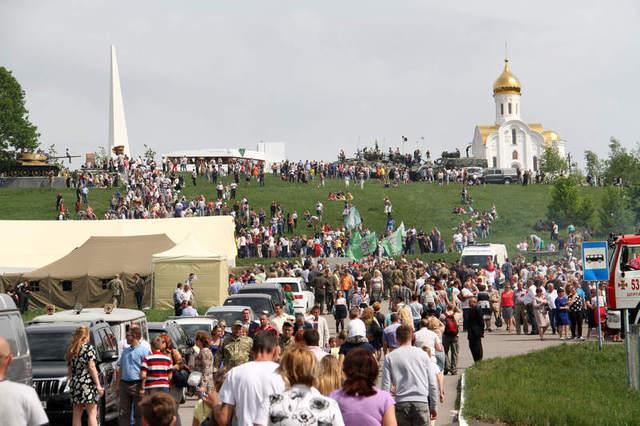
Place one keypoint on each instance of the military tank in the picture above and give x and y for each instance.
(30, 164)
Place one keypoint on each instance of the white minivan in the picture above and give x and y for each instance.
(477, 255)
(303, 298)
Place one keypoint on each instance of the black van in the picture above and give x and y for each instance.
(49, 342)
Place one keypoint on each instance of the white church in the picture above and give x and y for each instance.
(510, 142)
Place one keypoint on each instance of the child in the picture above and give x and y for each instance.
(334, 348)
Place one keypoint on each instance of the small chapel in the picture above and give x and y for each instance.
(510, 142)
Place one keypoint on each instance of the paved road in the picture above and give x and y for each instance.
(496, 344)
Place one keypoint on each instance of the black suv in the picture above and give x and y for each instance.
(48, 343)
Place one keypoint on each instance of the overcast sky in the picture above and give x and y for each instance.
(322, 75)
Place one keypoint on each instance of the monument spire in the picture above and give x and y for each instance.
(118, 139)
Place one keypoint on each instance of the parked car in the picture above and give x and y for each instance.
(505, 176)
(176, 333)
(191, 325)
(229, 314)
(303, 298)
(49, 342)
(257, 302)
(119, 320)
(12, 329)
(473, 173)
(271, 289)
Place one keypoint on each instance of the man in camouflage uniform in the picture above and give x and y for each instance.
(286, 337)
(117, 291)
(234, 350)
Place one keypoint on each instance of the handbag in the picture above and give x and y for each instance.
(181, 377)
(499, 322)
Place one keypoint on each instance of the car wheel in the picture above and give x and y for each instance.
(507, 181)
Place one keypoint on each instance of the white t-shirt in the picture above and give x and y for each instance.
(427, 338)
(20, 405)
(464, 304)
(247, 386)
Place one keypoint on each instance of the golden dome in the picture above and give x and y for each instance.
(550, 137)
(506, 82)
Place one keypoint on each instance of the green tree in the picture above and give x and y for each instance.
(621, 164)
(149, 153)
(594, 165)
(17, 133)
(567, 206)
(615, 213)
(552, 163)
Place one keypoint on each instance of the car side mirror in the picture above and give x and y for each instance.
(111, 355)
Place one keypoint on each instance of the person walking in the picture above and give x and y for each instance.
(320, 323)
(475, 329)
(83, 379)
(520, 310)
(19, 404)
(178, 297)
(340, 311)
(506, 304)
(128, 377)
(450, 340)
(138, 289)
(413, 375)
(301, 403)
(117, 291)
(235, 349)
(562, 314)
(575, 313)
(361, 403)
(541, 312)
(247, 387)
(23, 293)
(156, 371)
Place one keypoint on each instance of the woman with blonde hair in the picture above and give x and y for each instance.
(405, 317)
(329, 375)
(300, 403)
(83, 379)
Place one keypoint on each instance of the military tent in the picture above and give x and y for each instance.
(174, 266)
(82, 276)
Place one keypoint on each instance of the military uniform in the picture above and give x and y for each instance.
(117, 292)
(285, 342)
(233, 352)
(320, 284)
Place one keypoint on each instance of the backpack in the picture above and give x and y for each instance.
(450, 326)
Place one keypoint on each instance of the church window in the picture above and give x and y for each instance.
(513, 136)
(501, 109)
(514, 156)
(494, 162)
(516, 108)
(509, 107)
(535, 163)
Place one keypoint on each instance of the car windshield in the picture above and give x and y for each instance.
(48, 346)
(295, 287)
(228, 317)
(155, 333)
(192, 329)
(476, 260)
(257, 305)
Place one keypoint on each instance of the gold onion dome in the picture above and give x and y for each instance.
(506, 82)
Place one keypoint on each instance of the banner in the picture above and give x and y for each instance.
(353, 220)
(360, 247)
(392, 244)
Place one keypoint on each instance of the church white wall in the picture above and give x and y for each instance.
(502, 101)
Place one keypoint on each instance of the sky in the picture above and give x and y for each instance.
(322, 76)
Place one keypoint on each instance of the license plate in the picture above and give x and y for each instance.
(44, 404)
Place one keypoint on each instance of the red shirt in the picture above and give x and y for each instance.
(506, 300)
(157, 366)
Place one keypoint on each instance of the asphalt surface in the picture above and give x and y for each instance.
(495, 344)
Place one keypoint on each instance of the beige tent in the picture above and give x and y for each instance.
(32, 244)
(82, 275)
(174, 266)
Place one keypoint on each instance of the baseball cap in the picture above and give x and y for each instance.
(237, 322)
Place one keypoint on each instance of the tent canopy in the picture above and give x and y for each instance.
(187, 250)
(104, 257)
(36, 243)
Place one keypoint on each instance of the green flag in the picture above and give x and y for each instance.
(242, 151)
(352, 220)
(360, 247)
(392, 244)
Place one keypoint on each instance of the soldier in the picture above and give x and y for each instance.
(235, 349)
(332, 284)
(286, 339)
(138, 288)
(117, 291)
(320, 284)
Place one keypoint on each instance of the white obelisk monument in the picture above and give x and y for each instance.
(117, 124)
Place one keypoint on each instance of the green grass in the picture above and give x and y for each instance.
(416, 204)
(562, 385)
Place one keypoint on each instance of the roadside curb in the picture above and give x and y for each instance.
(461, 420)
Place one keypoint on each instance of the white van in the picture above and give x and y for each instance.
(12, 329)
(119, 319)
(476, 256)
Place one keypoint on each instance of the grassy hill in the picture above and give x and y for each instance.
(419, 204)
